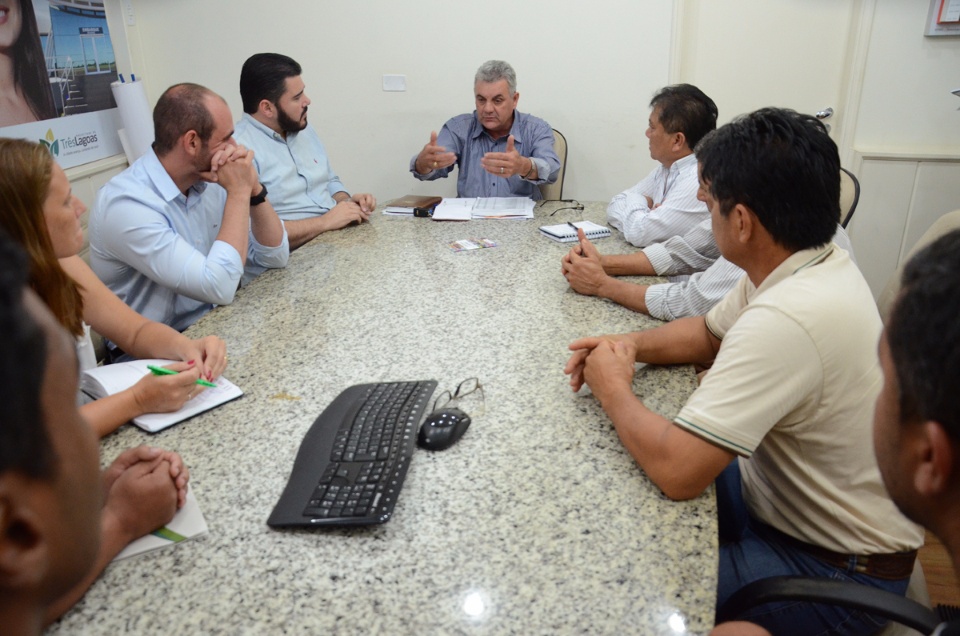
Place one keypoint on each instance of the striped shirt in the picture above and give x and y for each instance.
(697, 294)
(676, 208)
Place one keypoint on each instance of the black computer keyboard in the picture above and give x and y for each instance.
(353, 460)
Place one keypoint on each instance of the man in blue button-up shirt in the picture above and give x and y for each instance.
(173, 234)
(501, 152)
(290, 158)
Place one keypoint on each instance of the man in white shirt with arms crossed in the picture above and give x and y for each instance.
(665, 203)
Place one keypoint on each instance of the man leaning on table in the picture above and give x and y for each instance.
(793, 380)
(665, 203)
(290, 158)
(174, 234)
(500, 151)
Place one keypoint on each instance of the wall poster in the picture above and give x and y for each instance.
(56, 66)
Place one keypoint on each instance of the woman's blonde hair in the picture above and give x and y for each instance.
(26, 169)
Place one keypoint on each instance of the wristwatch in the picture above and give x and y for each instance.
(260, 198)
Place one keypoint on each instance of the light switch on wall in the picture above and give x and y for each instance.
(395, 83)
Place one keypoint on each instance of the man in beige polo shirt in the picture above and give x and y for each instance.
(791, 389)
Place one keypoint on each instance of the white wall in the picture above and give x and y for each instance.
(906, 105)
(906, 144)
(747, 54)
(589, 69)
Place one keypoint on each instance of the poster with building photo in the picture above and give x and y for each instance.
(56, 66)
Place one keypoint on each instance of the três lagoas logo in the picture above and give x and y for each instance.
(70, 145)
(51, 143)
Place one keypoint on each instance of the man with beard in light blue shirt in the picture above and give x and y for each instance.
(290, 158)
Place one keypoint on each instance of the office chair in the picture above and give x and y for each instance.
(554, 191)
(905, 614)
(946, 223)
(849, 196)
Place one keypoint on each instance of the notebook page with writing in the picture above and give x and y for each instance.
(113, 378)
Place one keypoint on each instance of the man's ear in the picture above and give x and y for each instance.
(936, 460)
(267, 109)
(744, 221)
(190, 142)
(679, 141)
(24, 553)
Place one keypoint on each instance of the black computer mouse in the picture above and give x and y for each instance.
(442, 429)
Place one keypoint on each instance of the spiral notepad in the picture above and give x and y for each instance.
(563, 233)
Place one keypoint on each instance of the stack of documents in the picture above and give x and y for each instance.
(484, 208)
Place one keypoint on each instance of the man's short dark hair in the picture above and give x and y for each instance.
(24, 443)
(264, 77)
(924, 335)
(784, 167)
(685, 108)
(180, 109)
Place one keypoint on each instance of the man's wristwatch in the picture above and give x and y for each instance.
(260, 198)
(532, 166)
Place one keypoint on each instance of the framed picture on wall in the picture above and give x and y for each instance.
(943, 18)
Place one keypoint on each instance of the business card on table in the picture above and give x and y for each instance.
(472, 244)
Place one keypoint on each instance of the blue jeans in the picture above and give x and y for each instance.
(751, 550)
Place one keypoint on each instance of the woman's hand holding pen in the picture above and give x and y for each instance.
(167, 393)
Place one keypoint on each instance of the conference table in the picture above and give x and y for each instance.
(536, 522)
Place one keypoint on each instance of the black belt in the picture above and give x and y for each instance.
(892, 566)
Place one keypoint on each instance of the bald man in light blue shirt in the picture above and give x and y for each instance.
(290, 158)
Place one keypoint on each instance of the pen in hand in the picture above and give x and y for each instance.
(576, 231)
(161, 371)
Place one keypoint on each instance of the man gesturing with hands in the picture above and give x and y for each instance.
(500, 151)
(178, 231)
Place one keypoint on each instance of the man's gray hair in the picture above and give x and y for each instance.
(496, 70)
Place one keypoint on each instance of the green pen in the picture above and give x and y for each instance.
(162, 371)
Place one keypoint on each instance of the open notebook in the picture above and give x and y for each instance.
(565, 234)
(113, 378)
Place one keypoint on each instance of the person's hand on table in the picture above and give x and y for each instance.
(178, 471)
(581, 350)
(433, 157)
(209, 354)
(367, 202)
(141, 498)
(583, 268)
(609, 368)
(508, 163)
(344, 213)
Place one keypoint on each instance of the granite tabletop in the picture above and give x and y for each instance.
(536, 522)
